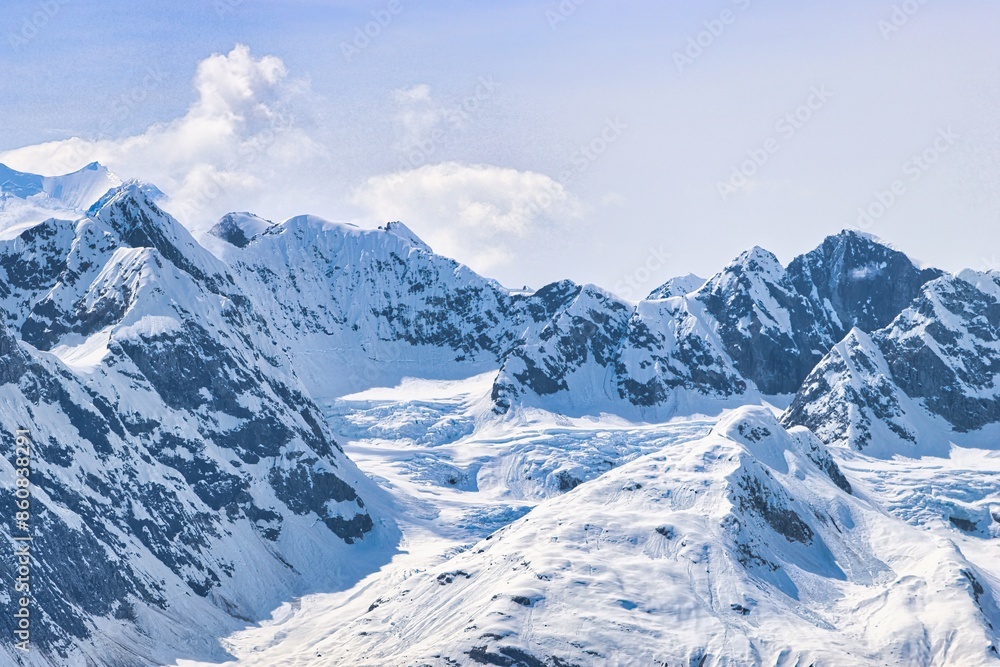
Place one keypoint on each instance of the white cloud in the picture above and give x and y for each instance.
(478, 213)
(418, 114)
(238, 147)
(236, 138)
(427, 129)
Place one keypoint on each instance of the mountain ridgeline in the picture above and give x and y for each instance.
(379, 304)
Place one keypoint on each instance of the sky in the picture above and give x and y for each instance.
(618, 144)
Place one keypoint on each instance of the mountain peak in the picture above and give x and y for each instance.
(757, 260)
(72, 192)
(131, 187)
(678, 286)
(748, 265)
(405, 233)
(129, 191)
(758, 254)
(239, 229)
(851, 233)
(133, 214)
(855, 279)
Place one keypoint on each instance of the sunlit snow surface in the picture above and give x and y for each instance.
(641, 563)
(452, 485)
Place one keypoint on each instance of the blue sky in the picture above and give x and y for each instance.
(535, 140)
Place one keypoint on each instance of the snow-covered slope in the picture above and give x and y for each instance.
(671, 361)
(742, 548)
(921, 397)
(564, 365)
(376, 304)
(29, 198)
(184, 483)
(678, 286)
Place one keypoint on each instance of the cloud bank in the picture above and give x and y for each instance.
(480, 214)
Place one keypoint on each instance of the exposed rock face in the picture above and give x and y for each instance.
(945, 350)
(778, 323)
(239, 229)
(178, 461)
(670, 351)
(754, 328)
(853, 280)
(850, 396)
(561, 356)
(766, 327)
(930, 375)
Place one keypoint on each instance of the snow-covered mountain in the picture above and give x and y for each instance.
(30, 198)
(928, 379)
(745, 547)
(179, 461)
(677, 286)
(376, 304)
(756, 328)
(777, 323)
(186, 398)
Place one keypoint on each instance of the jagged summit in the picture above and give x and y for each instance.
(132, 212)
(914, 387)
(678, 286)
(135, 186)
(855, 279)
(185, 482)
